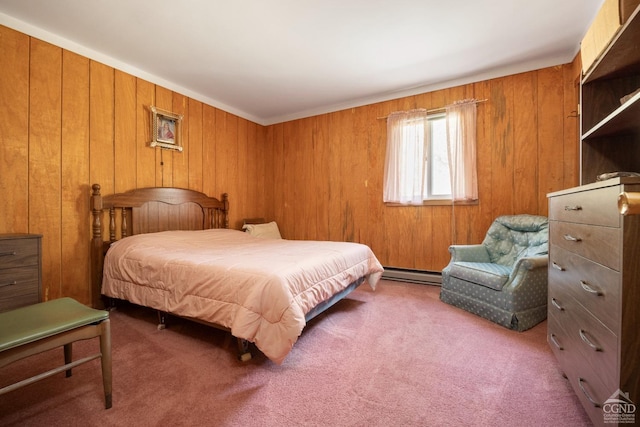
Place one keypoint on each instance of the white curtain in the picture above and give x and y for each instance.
(461, 143)
(405, 160)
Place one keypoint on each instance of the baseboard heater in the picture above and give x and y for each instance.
(414, 276)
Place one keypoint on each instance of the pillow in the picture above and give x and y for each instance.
(268, 231)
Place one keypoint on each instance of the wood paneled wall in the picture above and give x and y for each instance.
(326, 172)
(69, 122)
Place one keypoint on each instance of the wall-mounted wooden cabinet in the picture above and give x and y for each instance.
(610, 106)
(611, 16)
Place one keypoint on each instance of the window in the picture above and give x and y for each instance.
(431, 156)
(412, 136)
(437, 178)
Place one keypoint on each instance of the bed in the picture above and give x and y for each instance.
(172, 250)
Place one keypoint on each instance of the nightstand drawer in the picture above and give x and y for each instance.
(19, 287)
(599, 244)
(20, 270)
(597, 207)
(19, 253)
(595, 286)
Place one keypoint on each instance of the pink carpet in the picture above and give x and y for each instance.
(394, 357)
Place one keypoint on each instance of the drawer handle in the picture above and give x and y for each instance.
(571, 238)
(556, 304)
(555, 342)
(8, 284)
(10, 253)
(573, 208)
(586, 339)
(593, 402)
(557, 267)
(589, 289)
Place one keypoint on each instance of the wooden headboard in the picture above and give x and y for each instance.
(148, 210)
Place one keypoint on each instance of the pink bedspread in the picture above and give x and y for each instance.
(259, 288)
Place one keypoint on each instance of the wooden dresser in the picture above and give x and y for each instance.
(20, 270)
(594, 293)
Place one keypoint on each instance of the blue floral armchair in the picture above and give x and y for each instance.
(504, 279)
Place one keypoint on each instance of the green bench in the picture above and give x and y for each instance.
(40, 327)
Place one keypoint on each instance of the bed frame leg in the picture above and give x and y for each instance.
(109, 303)
(162, 320)
(244, 355)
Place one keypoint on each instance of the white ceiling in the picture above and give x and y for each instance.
(271, 61)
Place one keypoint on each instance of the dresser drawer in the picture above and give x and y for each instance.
(596, 346)
(596, 207)
(585, 381)
(558, 331)
(562, 321)
(19, 252)
(591, 393)
(599, 347)
(19, 287)
(596, 287)
(599, 244)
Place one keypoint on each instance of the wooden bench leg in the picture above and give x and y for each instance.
(105, 349)
(68, 357)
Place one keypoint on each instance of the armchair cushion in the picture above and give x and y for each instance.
(487, 274)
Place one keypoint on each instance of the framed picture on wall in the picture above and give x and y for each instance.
(166, 129)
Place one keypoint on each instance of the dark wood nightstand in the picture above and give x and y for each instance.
(20, 270)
